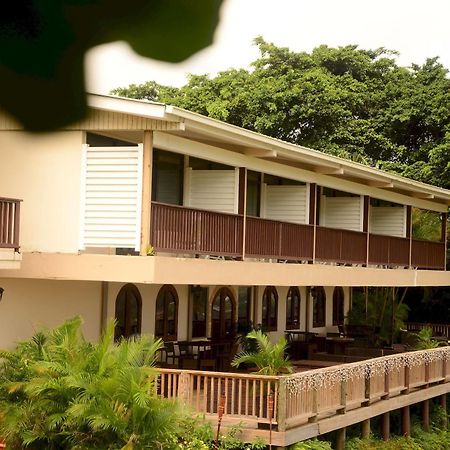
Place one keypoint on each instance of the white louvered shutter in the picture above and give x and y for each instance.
(285, 203)
(342, 212)
(111, 195)
(388, 220)
(215, 190)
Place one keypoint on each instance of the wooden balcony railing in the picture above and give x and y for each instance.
(177, 229)
(187, 230)
(9, 223)
(273, 239)
(310, 396)
(439, 329)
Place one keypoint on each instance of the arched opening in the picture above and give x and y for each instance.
(270, 309)
(293, 308)
(128, 312)
(222, 315)
(338, 306)
(166, 317)
(319, 306)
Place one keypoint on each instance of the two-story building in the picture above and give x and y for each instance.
(186, 227)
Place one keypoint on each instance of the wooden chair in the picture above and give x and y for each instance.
(170, 353)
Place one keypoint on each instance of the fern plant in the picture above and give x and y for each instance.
(269, 358)
(425, 339)
(59, 391)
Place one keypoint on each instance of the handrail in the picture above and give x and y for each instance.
(180, 229)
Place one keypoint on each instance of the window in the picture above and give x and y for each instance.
(244, 299)
(128, 312)
(270, 309)
(293, 309)
(167, 178)
(253, 193)
(199, 303)
(222, 315)
(338, 306)
(319, 306)
(166, 313)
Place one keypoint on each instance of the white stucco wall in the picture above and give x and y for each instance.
(44, 171)
(29, 305)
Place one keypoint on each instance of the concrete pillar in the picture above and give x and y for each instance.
(340, 439)
(406, 421)
(426, 415)
(385, 426)
(365, 429)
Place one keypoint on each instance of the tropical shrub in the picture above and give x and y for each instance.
(269, 359)
(424, 339)
(59, 391)
(312, 444)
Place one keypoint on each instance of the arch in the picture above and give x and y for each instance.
(319, 306)
(338, 306)
(293, 308)
(270, 309)
(128, 312)
(166, 314)
(223, 314)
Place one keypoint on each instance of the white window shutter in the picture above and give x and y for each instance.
(111, 196)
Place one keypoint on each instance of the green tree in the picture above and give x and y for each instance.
(354, 103)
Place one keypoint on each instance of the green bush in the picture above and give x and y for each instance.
(312, 444)
(58, 391)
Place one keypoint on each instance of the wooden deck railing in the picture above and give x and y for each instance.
(308, 396)
(9, 223)
(178, 229)
(439, 329)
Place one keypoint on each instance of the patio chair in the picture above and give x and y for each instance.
(169, 348)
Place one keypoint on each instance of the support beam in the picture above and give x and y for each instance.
(147, 166)
(406, 421)
(426, 415)
(443, 404)
(422, 195)
(385, 426)
(340, 439)
(260, 153)
(329, 170)
(381, 184)
(365, 429)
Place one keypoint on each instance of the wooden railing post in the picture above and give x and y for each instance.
(407, 378)
(343, 400)
(386, 383)
(184, 384)
(315, 405)
(367, 388)
(281, 405)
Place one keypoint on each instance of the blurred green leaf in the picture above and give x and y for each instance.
(42, 47)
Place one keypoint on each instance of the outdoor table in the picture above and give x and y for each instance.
(338, 345)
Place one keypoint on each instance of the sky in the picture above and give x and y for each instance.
(416, 28)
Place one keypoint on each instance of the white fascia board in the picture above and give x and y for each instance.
(140, 108)
(233, 133)
(178, 144)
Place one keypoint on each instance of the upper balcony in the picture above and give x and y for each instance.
(9, 232)
(182, 230)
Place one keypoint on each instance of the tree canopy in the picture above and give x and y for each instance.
(354, 103)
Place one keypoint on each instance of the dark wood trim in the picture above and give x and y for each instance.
(126, 291)
(161, 296)
(242, 189)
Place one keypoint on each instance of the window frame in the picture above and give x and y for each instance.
(162, 296)
(319, 307)
(290, 319)
(124, 294)
(269, 319)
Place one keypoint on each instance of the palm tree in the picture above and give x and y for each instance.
(59, 391)
(269, 358)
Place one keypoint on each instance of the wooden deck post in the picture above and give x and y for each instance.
(184, 383)
(443, 404)
(406, 421)
(385, 426)
(367, 389)
(343, 401)
(407, 377)
(340, 439)
(281, 406)
(365, 429)
(426, 415)
(315, 405)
